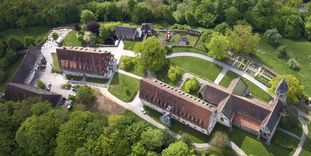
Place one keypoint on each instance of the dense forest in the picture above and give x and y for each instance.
(33, 127)
(290, 17)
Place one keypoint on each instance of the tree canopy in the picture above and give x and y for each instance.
(151, 54)
(218, 46)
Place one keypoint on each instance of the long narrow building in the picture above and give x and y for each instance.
(228, 106)
(89, 62)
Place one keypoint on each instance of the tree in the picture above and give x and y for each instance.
(40, 108)
(191, 86)
(3, 76)
(295, 87)
(87, 16)
(293, 26)
(3, 48)
(231, 15)
(107, 11)
(82, 152)
(138, 149)
(174, 73)
(92, 27)
(293, 64)
(242, 39)
(55, 36)
(85, 95)
(90, 38)
(28, 40)
(152, 54)
(282, 52)
(204, 16)
(106, 31)
(273, 36)
(218, 46)
(141, 14)
(152, 138)
(40, 84)
(178, 149)
(289, 116)
(36, 136)
(15, 43)
(308, 27)
(220, 139)
(222, 28)
(81, 127)
(126, 63)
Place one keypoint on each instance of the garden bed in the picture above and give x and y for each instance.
(96, 80)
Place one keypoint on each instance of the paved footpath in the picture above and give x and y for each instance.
(239, 72)
(303, 136)
(221, 76)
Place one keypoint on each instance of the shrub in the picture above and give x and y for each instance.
(191, 86)
(93, 27)
(282, 52)
(55, 36)
(173, 73)
(222, 27)
(15, 43)
(40, 84)
(28, 40)
(293, 64)
(66, 86)
(127, 63)
(3, 76)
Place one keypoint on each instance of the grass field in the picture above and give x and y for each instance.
(176, 37)
(35, 31)
(56, 68)
(296, 128)
(11, 72)
(282, 144)
(124, 87)
(129, 45)
(187, 49)
(72, 40)
(255, 90)
(201, 68)
(299, 49)
(306, 149)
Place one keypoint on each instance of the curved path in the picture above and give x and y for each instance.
(225, 66)
(303, 136)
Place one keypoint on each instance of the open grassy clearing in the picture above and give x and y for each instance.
(72, 40)
(306, 149)
(129, 45)
(35, 31)
(11, 72)
(123, 87)
(255, 90)
(187, 49)
(282, 144)
(202, 68)
(176, 37)
(56, 68)
(299, 49)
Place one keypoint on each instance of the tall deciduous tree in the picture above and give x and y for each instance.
(293, 26)
(15, 43)
(85, 95)
(173, 73)
(218, 46)
(273, 36)
(87, 16)
(242, 39)
(178, 149)
(295, 87)
(152, 54)
(191, 86)
(152, 138)
(308, 27)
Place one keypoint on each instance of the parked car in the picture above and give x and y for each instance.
(143, 110)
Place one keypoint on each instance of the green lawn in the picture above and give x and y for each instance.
(299, 49)
(72, 40)
(35, 31)
(306, 149)
(282, 144)
(201, 68)
(135, 70)
(255, 90)
(225, 82)
(187, 49)
(296, 128)
(96, 80)
(176, 37)
(124, 87)
(129, 45)
(11, 72)
(56, 68)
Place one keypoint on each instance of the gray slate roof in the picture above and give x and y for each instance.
(125, 32)
(282, 87)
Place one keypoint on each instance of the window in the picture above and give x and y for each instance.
(222, 119)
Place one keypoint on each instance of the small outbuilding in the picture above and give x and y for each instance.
(183, 41)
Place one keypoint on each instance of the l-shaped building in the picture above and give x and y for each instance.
(229, 106)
